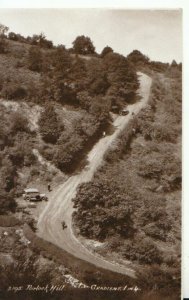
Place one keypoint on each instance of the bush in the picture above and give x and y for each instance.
(9, 221)
(50, 127)
(35, 59)
(3, 46)
(106, 206)
(7, 202)
(19, 123)
(143, 251)
(14, 90)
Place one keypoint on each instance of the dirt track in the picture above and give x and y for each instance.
(60, 206)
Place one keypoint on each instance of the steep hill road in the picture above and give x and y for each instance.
(60, 206)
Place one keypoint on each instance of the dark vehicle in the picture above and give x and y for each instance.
(124, 112)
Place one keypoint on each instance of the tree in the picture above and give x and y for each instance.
(144, 251)
(69, 146)
(84, 99)
(83, 45)
(78, 74)
(7, 202)
(3, 43)
(121, 76)
(105, 51)
(174, 63)
(3, 30)
(41, 41)
(101, 211)
(13, 36)
(137, 57)
(8, 175)
(100, 108)
(97, 81)
(50, 127)
(35, 59)
(61, 62)
(62, 83)
(19, 123)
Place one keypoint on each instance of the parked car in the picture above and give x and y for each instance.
(124, 112)
(34, 195)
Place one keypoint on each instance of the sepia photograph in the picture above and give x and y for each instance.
(90, 153)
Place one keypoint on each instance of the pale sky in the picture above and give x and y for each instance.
(156, 33)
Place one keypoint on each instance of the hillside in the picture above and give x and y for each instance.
(57, 106)
(133, 204)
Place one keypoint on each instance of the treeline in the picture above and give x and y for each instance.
(67, 78)
(143, 62)
(49, 75)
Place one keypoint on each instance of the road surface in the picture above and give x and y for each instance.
(60, 206)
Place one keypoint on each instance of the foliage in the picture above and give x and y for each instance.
(121, 76)
(19, 123)
(158, 66)
(111, 214)
(3, 45)
(97, 81)
(14, 91)
(83, 45)
(105, 51)
(3, 30)
(35, 59)
(100, 108)
(141, 171)
(137, 57)
(50, 126)
(77, 75)
(3, 42)
(8, 176)
(40, 40)
(68, 148)
(143, 251)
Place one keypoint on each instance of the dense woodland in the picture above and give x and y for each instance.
(36, 72)
(133, 203)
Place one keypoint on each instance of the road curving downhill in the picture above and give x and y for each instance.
(60, 206)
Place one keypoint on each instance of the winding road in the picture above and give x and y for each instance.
(60, 206)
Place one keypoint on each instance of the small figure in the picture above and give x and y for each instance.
(104, 133)
(64, 225)
(49, 187)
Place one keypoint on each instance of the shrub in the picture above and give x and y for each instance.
(19, 123)
(7, 202)
(50, 127)
(3, 45)
(14, 90)
(143, 251)
(35, 60)
(9, 221)
(109, 213)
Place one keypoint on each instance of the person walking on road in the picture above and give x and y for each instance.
(64, 225)
(49, 187)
